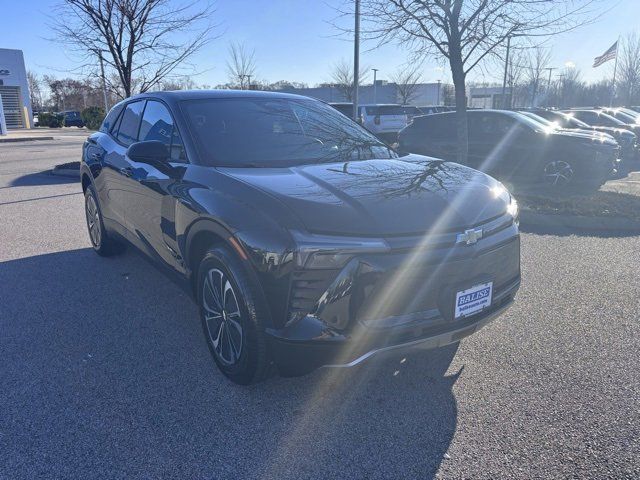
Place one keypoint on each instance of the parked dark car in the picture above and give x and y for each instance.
(514, 147)
(429, 109)
(601, 119)
(626, 139)
(623, 114)
(73, 119)
(344, 108)
(304, 240)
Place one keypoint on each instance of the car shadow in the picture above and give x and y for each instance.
(105, 369)
(41, 178)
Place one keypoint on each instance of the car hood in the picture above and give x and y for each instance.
(383, 197)
(583, 136)
(613, 131)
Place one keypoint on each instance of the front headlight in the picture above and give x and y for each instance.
(499, 191)
(512, 208)
(329, 252)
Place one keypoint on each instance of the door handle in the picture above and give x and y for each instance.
(126, 171)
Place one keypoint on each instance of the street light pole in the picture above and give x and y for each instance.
(356, 60)
(504, 80)
(104, 83)
(375, 92)
(438, 101)
(551, 69)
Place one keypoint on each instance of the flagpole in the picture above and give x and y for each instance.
(615, 69)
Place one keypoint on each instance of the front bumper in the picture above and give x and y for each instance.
(300, 356)
(357, 316)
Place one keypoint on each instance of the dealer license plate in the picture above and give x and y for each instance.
(473, 299)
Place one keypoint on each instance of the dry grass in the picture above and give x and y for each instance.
(597, 204)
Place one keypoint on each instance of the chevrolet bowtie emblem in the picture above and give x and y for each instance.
(469, 236)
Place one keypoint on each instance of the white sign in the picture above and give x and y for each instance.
(3, 123)
(473, 300)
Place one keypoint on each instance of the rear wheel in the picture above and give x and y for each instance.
(232, 312)
(102, 243)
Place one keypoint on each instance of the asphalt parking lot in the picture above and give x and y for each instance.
(105, 372)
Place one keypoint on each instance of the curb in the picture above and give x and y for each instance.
(529, 218)
(65, 172)
(24, 139)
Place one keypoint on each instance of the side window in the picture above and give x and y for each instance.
(489, 125)
(437, 126)
(157, 124)
(584, 116)
(130, 122)
(110, 119)
(478, 126)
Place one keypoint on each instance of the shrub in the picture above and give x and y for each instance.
(51, 120)
(93, 117)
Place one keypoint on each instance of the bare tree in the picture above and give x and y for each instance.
(569, 87)
(407, 80)
(74, 94)
(342, 77)
(142, 41)
(241, 64)
(515, 76)
(181, 83)
(465, 32)
(35, 90)
(537, 61)
(629, 70)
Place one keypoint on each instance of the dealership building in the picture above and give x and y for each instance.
(14, 90)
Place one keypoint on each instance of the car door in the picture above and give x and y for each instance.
(115, 188)
(151, 213)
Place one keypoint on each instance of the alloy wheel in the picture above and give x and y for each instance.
(558, 173)
(222, 317)
(93, 221)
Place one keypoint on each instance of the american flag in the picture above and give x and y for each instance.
(606, 56)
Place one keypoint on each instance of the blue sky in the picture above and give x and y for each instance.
(294, 40)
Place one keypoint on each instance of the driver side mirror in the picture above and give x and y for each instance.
(150, 151)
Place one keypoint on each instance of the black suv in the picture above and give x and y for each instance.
(514, 147)
(599, 118)
(625, 138)
(304, 240)
(73, 119)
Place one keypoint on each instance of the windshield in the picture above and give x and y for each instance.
(569, 121)
(535, 124)
(276, 132)
(625, 117)
(536, 118)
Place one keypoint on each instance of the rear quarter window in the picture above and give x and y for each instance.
(110, 119)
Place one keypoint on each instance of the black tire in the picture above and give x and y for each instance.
(241, 358)
(101, 241)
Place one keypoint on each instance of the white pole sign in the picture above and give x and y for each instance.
(3, 123)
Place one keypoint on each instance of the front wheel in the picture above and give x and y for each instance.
(558, 173)
(232, 312)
